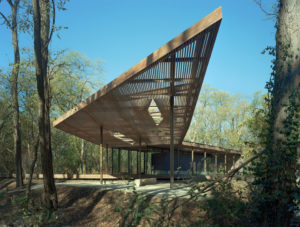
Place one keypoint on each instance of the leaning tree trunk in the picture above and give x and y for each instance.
(14, 94)
(280, 184)
(41, 11)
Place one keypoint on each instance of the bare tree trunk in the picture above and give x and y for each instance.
(288, 80)
(35, 153)
(280, 181)
(14, 92)
(41, 11)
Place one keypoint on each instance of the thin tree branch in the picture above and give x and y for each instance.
(16, 3)
(258, 2)
(2, 125)
(208, 187)
(4, 120)
(6, 20)
(53, 23)
(10, 3)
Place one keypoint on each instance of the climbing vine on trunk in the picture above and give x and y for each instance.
(275, 173)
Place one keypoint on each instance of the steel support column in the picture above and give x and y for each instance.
(172, 90)
(101, 155)
(171, 141)
(205, 164)
(192, 162)
(225, 163)
(112, 160)
(233, 160)
(178, 162)
(128, 161)
(146, 161)
(137, 162)
(119, 161)
(216, 163)
(139, 158)
(107, 167)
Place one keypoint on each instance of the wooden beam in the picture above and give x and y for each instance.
(161, 80)
(181, 59)
(208, 148)
(101, 155)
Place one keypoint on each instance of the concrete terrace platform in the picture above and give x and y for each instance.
(161, 188)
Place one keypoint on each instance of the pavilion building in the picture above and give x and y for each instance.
(149, 108)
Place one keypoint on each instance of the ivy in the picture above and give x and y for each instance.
(277, 195)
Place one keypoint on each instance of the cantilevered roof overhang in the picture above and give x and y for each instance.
(122, 106)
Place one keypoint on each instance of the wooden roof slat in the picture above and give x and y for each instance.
(122, 105)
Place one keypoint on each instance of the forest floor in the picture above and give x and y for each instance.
(86, 205)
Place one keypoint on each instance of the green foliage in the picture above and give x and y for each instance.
(226, 120)
(271, 169)
(6, 135)
(45, 216)
(72, 77)
(226, 206)
(257, 121)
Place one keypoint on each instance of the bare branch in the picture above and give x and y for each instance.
(10, 3)
(227, 176)
(259, 3)
(53, 23)
(53, 70)
(16, 3)
(6, 20)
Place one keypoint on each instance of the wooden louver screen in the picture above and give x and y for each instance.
(122, 107)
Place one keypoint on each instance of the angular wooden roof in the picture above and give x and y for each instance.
(122, 106)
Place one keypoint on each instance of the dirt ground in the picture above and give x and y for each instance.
(86, 206)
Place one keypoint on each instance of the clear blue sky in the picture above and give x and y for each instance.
(122, 33)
